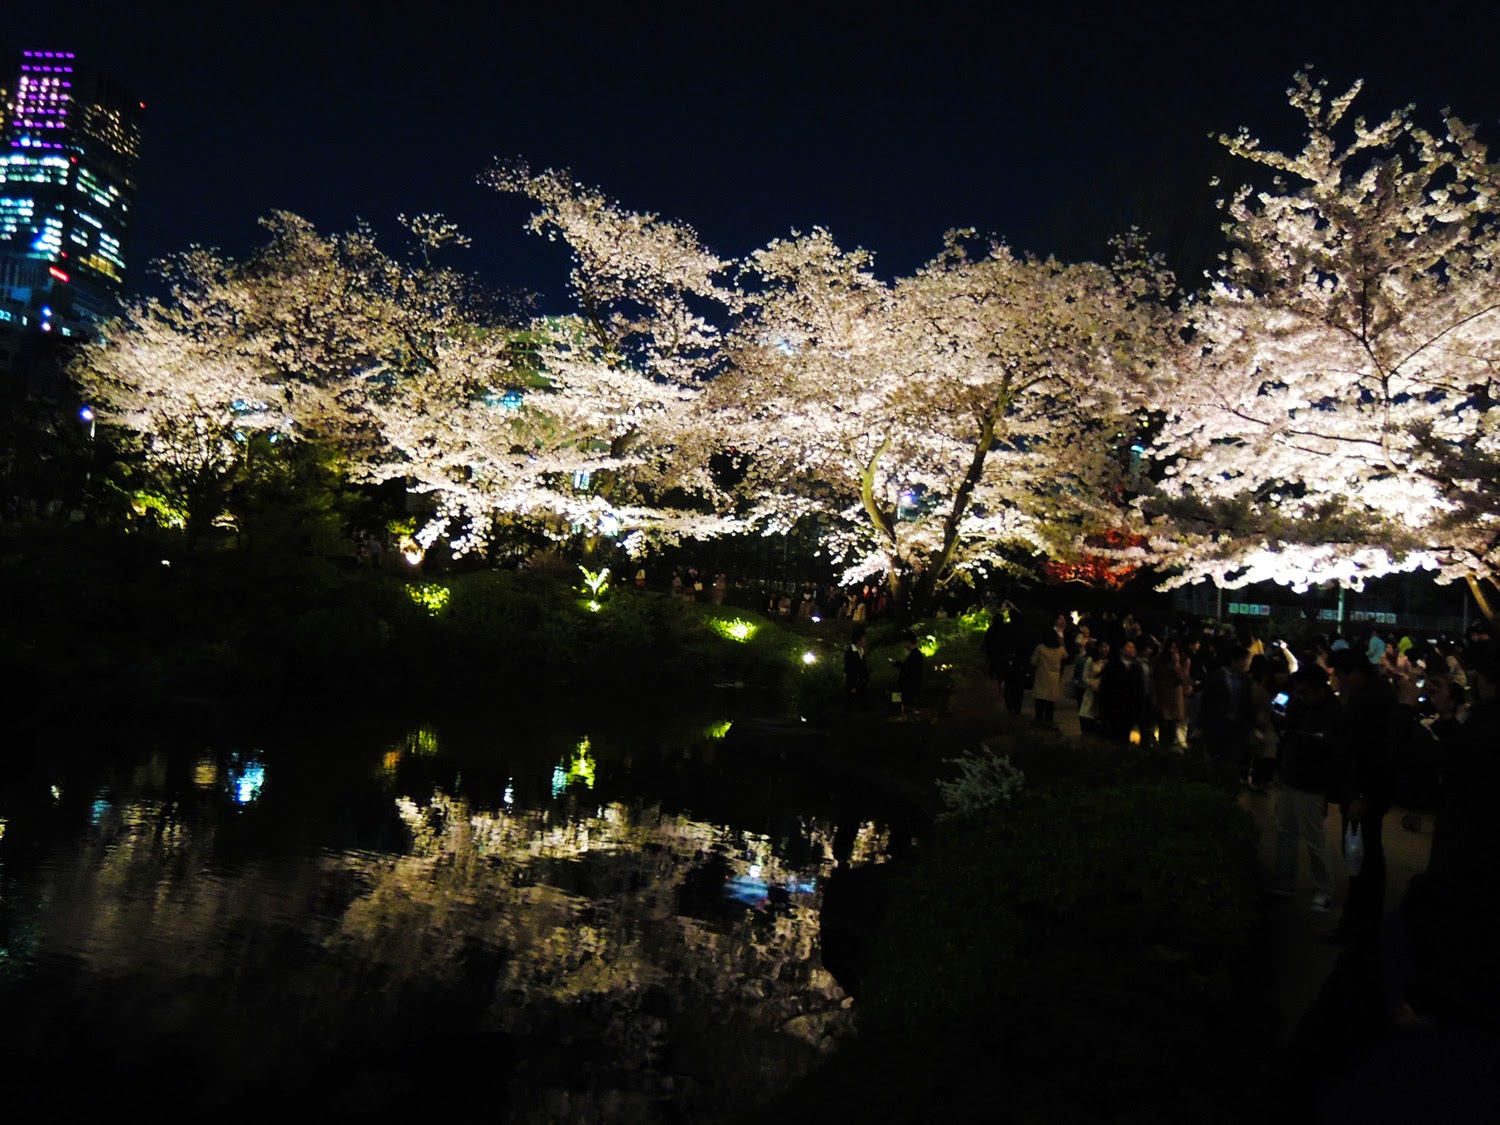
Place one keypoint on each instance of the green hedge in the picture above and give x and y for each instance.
(1076, 956)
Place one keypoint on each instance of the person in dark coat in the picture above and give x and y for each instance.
(1124, 694)
(910, 671)
(1310, 743)
(856, 672)
(1009, 659)
(1440, 966)
(1363, 787)
(1224, 717)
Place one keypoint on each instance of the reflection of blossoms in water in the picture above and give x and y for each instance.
(682, 958)
(588, 912)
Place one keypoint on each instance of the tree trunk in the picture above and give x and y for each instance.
(1483, 602)
(936, 569)
(898, 584)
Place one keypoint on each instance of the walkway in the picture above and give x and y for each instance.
(1300, 961)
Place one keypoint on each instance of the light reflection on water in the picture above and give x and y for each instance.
(639, 941)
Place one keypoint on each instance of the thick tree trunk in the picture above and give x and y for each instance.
(936, 570)
(898, 584)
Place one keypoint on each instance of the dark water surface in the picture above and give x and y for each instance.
(567, 916)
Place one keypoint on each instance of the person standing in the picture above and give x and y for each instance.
(1002, 648)
(856, 672)
(1224, 717)
(1363, 788)
(1261, 743)
(1471, 740)
(1095, 659)
(1171, 687)
(909, 672)
(1309, 757)
(1047, 660)
(1123, 695)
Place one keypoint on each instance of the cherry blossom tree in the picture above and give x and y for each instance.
(388, 362)
(610, 416)
(176, 373)
(1334, 417)
(931, 421)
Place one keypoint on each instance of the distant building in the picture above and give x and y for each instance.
(70, 142)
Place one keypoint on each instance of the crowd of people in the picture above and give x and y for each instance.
(1360, 725)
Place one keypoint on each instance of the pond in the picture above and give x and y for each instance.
(568, 914)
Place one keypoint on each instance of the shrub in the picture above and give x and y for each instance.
(1112, 916)
(986, 780)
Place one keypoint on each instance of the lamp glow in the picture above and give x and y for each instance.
(735, 629)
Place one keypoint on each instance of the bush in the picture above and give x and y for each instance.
(986, 780)
(1113, 917)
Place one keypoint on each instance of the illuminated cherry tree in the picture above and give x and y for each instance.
(300, 339)
(985, 401)
(612, 439)
(176, 372)
(1336, 418)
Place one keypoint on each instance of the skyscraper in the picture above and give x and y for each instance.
(69, 149)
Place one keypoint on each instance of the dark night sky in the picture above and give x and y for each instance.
(1053, 129)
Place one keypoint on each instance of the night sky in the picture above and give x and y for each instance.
(1053, 129)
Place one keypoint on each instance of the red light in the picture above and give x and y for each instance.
(57, 273)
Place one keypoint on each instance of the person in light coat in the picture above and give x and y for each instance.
(1046, 689)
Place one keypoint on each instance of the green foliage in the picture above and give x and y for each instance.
(733, 629)
(976, 620)
(530, 624)
(817, 690)
(158, 509)
(595, 582)
(290, 497)
(431, 596)
(1111, 916)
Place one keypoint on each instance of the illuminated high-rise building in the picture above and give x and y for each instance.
(70, 144)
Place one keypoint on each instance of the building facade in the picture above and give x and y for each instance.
(70, 142)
